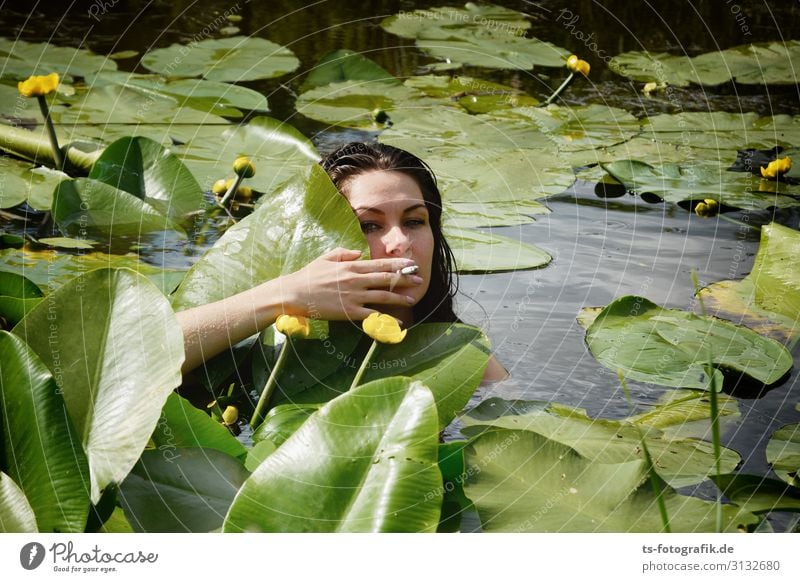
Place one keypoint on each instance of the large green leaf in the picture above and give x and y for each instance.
(187, 491)
(308, 218)
(521, 481)
(84, 207)
(22, 59)
(43, 453)
(214, 97)
(473, 94)
(116, 350)
(181, 425)
(696, 181)
(679, 461)
(50, 268)
(671, 347)
(758, 494)
(142, 167)
(752, 64)
(682, 413)
(783, 453)
(479, 35)
(16, 514)
(18, 295)
(282, 421)
(365, 462)
(768, 299)
(723, 131)
(448, 358)
(345, 65)
(237, 58)
(481, 252)
(23, 182)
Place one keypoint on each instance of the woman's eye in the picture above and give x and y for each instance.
(415, 222)
(369, 227)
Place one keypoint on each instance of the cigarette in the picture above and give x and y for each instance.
(409, 270)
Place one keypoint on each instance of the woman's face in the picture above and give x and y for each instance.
(393, 216)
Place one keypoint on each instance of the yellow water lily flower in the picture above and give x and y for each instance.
(38, 85)
(576, 65)
(220, 186)
(231, 415)
(244, 167)
(293, 325)
(384, 328)
(707, 208)
(777, 167)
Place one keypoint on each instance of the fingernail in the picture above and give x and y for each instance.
(410, 300)
(416, 279)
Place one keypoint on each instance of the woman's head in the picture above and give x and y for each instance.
(398, 203)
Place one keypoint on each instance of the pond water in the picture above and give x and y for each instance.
(602, 247)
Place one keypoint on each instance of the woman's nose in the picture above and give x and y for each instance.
(397, 243)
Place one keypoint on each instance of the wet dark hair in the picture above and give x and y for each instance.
(357, 158)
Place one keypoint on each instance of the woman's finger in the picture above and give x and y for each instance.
(381, 265)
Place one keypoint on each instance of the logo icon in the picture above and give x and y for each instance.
(31, 555)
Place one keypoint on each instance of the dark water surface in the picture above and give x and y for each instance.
(602, 247)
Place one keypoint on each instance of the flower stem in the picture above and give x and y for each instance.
(560, 89)
(364, 365)
(58, 155)
(269, 387)
(234, 187)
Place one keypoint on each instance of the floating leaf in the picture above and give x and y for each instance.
(483, 36)
(282, 421)
(365, 462)
(669, 347)
(238, 58)
(188, 491)
(16, 514)
(696, 181)
(768, 299)
(23, 182)
(521, 481)
(783, 453)
(18, 295)
(85, 206)
(752, 64)
(285, 233)
(679, 461)
(181, 425)
(142, 167)
(346, 65)
(23, 58)
(115, 367)
(479, 252)
(42, 450)
(62, 242)
(758, 494)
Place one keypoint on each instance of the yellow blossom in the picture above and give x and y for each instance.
(38, 85)
(231, 415)
(384, 328)
(707, 208)
(293, 325)
(777, 167)
(220, 186)
(576, 65)
(244, 167)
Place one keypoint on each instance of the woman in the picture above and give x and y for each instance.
(395, 197)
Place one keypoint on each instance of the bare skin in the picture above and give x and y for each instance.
(336, 286)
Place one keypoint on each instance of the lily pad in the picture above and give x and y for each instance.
(669, 347)
(23, 182)
(678, 460)
(480, 252)
(18, 295)
(346, 65)
(783, 453)
(187, 491)
(16, 514)
(758, 494)
(521, 481)
(697, 181)
(237, 58)
(285, 233)
(751, 64)
(115, 367)
(42, 450)
(365, 462)
(23, 59)
(768, 299)
(483, 36)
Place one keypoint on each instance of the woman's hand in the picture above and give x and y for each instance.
(337, 286)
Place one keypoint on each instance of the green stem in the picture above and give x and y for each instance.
(234, 187)
(560, 89)
(364, 364)
(269, 387)
(32, 146)
(58, 155)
